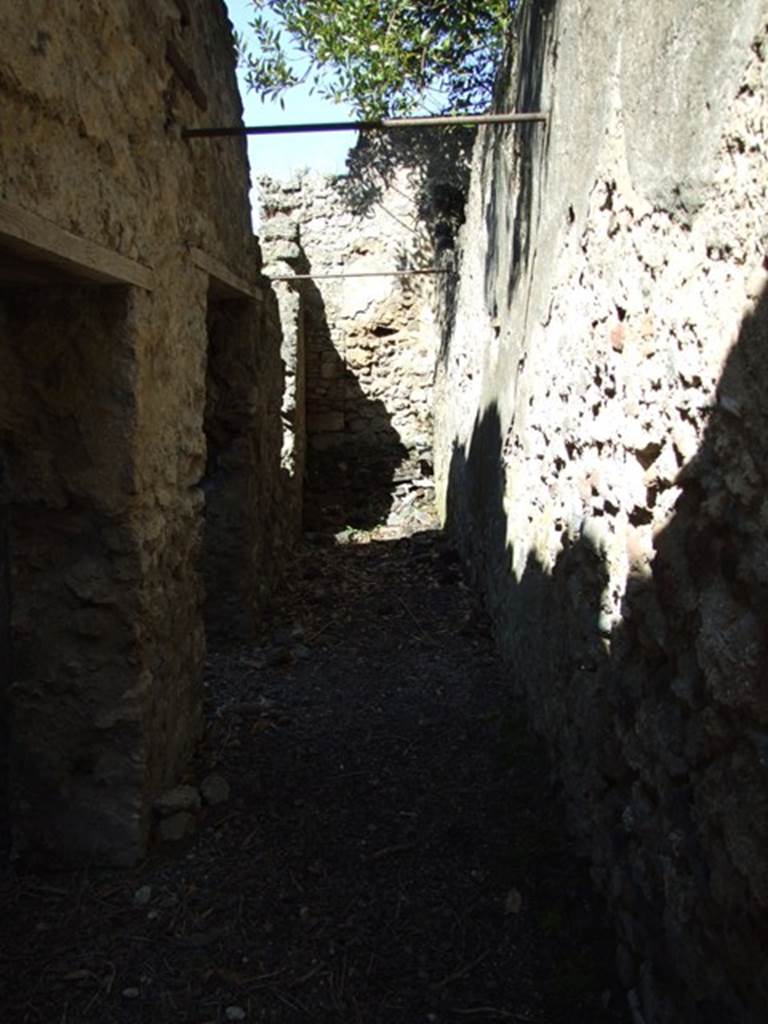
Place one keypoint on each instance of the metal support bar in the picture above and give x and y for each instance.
(383, 123)
(363, 273)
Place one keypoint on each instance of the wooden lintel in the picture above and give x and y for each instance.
(37, 240)
(223, 281)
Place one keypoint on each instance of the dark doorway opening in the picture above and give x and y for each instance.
(67, 562)
(231, 580)
(5, 660)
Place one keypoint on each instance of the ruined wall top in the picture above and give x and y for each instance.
(402, 198)
(370, 340)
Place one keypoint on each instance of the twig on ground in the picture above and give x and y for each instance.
(462, 970)
(388, 850)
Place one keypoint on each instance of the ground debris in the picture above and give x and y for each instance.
(389, 852)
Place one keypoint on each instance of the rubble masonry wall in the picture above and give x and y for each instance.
(102, 406)
(369, 343)
(602, 457)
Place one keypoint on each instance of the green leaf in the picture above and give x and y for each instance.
(381, 55)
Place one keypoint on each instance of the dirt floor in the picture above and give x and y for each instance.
(390, 852)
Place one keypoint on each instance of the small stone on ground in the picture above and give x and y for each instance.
(181, 798)
(215, 789)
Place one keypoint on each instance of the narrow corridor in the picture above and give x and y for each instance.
(390, 852)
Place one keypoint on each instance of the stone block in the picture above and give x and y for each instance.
(215, 789)
(331, 368)
(357, 357)
(181, 798)
(327, 422)
(324, 442)
(177, 827)
(279, 229)
(283, 250)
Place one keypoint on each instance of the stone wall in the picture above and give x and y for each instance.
(370, 342)
(602, 457)
(123, 250)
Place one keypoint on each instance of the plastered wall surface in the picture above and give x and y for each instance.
(601, 451)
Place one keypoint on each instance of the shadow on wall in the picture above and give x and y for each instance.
(425, 172)
(659, 726)
(368, 424)
(243, 538)
(353, 451)
(428, 155)
(436, 163)
(518, 154)
(228, 480)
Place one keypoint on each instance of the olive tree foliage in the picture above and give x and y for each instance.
(384, 57)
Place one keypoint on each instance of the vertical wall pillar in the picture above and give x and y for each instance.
(293, 412)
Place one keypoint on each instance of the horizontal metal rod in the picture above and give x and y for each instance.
(385, 123)
(363, 273)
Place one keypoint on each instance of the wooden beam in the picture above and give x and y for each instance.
(224, 283)
(378, 124)
(365, 273)
(37, 240)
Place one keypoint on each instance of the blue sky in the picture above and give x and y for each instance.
(279, 155)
